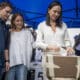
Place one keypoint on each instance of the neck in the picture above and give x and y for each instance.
(53, 23)
(17, 29)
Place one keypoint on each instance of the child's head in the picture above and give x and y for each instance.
(17, 21)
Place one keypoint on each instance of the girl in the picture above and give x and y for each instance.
(20, 49)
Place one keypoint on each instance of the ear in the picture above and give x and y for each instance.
(0, 8)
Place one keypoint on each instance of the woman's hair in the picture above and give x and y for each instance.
(5, 4)
(13, 26)
(59, 20)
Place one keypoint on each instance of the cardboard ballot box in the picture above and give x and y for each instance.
(61, 66)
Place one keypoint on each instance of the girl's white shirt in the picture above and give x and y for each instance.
(20, 47)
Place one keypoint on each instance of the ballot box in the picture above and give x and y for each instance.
(61, 66)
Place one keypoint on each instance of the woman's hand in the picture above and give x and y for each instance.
(70, 51)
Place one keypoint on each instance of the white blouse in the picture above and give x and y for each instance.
(20, 47)
(46, 36)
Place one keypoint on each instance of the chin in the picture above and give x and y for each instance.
(5, 19)
(53, 19)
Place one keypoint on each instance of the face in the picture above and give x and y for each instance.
(5, 13)
(18, 22)
(54, 12)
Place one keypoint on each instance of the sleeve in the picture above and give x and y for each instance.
(29, 38)
(66, 37)
(40, 38)
(29, 47)
(7, 40)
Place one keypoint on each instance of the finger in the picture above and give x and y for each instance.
(7, 68)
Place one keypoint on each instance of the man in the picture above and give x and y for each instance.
(5, 10)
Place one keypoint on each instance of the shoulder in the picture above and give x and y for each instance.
(42, 25)
(27, 31)
(64, 25)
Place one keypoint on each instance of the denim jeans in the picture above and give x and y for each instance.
(1, 72)
(18, 72)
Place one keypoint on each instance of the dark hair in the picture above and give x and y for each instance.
(59, 20)
(5, 4)
(13, 19)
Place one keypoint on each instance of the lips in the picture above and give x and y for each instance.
(54, 18)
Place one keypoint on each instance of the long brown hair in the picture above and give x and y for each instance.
(59, 20)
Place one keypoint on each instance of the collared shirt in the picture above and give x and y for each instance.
(3, 41)
(3, 35)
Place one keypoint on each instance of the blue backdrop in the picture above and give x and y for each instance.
(34, 11)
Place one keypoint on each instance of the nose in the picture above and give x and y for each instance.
(56, 13)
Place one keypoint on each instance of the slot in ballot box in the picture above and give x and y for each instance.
(61, 66)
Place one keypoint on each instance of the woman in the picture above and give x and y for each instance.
(20, 49)
(52, 36)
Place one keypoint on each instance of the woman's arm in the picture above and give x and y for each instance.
(68, 45)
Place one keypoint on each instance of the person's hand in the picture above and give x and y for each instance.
(54, 48)
(7, 66)
(70, 51)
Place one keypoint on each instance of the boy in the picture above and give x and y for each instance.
(5, 10)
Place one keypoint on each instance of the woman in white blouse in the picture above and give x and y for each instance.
(52, 37)
(20, 50)
(52, 34)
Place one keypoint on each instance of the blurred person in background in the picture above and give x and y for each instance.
(5, 10)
